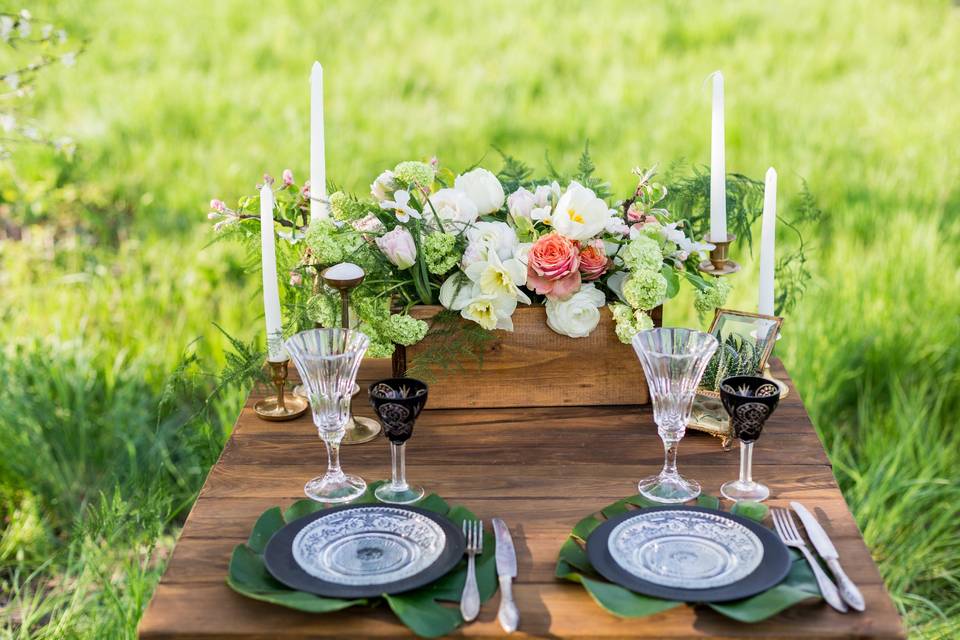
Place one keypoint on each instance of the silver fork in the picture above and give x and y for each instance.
(470, 600)
(787, 530)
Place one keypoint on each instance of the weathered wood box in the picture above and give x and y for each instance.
(533, 366)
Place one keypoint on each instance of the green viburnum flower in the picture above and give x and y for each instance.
(344, 208)
(324, 310)
(438, 249)
(372, 309)
(645, 289)
(629, 321)
(642, 320)
(404, 329)
(642, 254)
(380, 346)
(714, 296)
(326, 248)
(412, 172)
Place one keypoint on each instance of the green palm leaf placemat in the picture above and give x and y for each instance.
(422, 610)
(573, 565)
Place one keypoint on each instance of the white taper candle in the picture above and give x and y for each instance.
(768, 233)
(318, 166)
(271, 294)
(718, 181)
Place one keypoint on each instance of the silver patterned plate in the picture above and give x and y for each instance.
(685, 549)
(372, 545)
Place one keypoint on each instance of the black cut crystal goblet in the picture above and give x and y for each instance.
(750, 401)
(398, 402)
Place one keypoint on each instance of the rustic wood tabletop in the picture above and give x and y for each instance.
(541, 470)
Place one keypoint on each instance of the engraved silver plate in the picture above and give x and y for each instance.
(368, 545)
(685, 549)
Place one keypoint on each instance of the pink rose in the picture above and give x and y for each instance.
(287, 177)
(552, 266)
(593, 260)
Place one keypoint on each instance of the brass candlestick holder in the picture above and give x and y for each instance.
(344, 277)
(285, 406)
(719, 263)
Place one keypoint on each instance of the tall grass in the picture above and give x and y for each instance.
(177, 102)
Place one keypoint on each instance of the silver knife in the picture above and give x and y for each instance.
(506, 572)
(821, 541)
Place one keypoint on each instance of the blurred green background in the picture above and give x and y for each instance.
(109, 289)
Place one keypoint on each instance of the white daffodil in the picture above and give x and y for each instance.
(490, 311)
(400, 205)
(500, 278)
(580, 214)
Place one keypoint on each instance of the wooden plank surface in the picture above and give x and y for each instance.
(541, 469)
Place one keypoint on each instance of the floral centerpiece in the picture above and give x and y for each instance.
(483, 245)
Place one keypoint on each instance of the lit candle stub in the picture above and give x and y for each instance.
(318, 160)
(718, 181)
(768, 232)
(271, 292)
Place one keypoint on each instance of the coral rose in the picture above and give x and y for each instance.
(593, 261)
(552, 267)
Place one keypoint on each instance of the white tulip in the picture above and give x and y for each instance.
(520, 203)
(580, 214)
(546, 194)
(498, 236)
(383, 186)
(578, 315)
(483, 188)
(453, 208)
(457, 291)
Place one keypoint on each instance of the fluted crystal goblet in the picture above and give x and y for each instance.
(673, 361)
(328, 361)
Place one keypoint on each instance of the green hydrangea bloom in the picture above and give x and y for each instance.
(324, 245)
(711, 298)
(439, 251)
(345, 208)
(324, 309)
(643, 253)
(645, 289)
(623, 317)
(404, 329)
(412, 172)
(372, 309)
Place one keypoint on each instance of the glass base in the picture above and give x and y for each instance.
(736, 491)
(334, 489)
(386, 493)
(668, 489)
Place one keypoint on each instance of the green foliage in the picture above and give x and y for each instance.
(452, 342)
(736, 356)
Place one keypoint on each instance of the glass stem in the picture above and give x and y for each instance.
(746, 462)
(669, 457)
(333, 457)
(398, 476)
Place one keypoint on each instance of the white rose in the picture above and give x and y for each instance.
(578, 315)
(483, 188)
(580, 214)
(520, 203)
(483, 236)
(383, 186)
(452, 207)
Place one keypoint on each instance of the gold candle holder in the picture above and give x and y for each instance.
(285, 406)
(344, 278)
(719, 263)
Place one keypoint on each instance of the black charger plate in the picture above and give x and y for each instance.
(280, 562)
(772, 570)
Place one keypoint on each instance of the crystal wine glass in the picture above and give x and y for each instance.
(398, 402)
(673, 361)
(749, 400)
(328, 361)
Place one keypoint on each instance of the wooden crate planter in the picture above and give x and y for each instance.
(533, 366)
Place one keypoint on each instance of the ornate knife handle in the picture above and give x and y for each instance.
(827, 588)
(470, 600)
(848, 590)
(508, 615)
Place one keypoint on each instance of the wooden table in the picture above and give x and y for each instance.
(541, 469)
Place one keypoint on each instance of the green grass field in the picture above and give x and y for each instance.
(107, 303)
